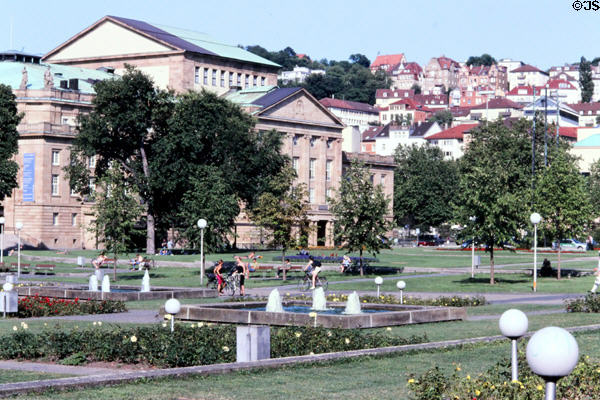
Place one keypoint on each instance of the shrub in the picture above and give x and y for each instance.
(588, 304)
(39, 306)
(454, 301)
(190, 344)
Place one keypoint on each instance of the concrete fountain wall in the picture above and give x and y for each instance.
(391, 315)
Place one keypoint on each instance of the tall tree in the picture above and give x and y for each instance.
(360, 211)
(444, 118)
(360, 59)
(117, 210)
(283, 211)
(585, 80)
(563, 199)
(424, 186)
(9, 138)
(594, 187)
(484, 59)
(495, 185)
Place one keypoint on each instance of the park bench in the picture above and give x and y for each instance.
(263, 269)
(290, 269)
(14, 267)
(44, 268)
(108, 262)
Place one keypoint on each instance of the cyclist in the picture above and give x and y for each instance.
(312, 269)
(241, 269)
(219, 275)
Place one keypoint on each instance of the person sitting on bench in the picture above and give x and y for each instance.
(99, 261)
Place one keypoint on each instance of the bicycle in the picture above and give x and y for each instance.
(231, 284)
(305, 283)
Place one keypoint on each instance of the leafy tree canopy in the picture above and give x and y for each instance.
(9, 137)
(444, 118)
(585, 80)
(484, 59)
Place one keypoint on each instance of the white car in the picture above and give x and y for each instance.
(570, 245)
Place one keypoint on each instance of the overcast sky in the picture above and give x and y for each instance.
(539, 32)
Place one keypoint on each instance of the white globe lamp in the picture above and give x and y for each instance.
(513, 324)
(378, 282)
(172, 307)
(401, 285)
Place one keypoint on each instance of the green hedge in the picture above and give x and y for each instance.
(190, 344)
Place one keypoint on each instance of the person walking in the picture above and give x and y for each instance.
(241, 269)
(597, 275)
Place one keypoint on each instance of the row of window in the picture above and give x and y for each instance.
(312, 164)
(231, 78)
(312, 140)
(91, 161)
(55, 219)
(55, 185)
(312, 196)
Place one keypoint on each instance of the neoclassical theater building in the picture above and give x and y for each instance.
(52, 90)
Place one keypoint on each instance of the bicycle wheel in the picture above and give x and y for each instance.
(324, 284)
(304, 284)
(229, 287)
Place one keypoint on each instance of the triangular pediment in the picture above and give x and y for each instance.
(105, 39)
(301, 107)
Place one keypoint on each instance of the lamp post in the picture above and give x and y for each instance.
(401, 285)
(201, 224)
(552, 353)
(2, 220)
(378, 282)
(172, 307)
(472, 219)
(513, 324)
(19, 226)
(535, 219)
(487, 102)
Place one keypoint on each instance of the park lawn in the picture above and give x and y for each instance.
(12, 376)
(505, 283)
(498, 309)
(382, 377)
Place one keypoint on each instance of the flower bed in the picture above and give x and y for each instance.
(195, 344)
(587, 304)
(495, 384)
(40, 306)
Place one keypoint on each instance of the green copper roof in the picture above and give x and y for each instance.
(221, 49)
(246, 97)
(11, 73)
(590, 141)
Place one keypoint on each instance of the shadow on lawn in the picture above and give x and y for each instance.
(486, 279)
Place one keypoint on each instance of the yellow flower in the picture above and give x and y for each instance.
(539, 387)
(167, 316)
(468, 377)
(133, 339)
(45, 324)
(99, 323)
(225, 349)
(164, 325)
(94, 323)
(209, 324)
(312, 314)
(411, 380)
(193, 325)
(200, 324)
(311, 353)
(298, 334)
(287, 294)
(364, 301)
(329, 334)
(15, 328)
(477, 392)
(493, 387)
(347, 341)
(25, 326)
(388, 329)
(458, 368)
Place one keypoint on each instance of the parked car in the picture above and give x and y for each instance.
(570, 245)
(429, 240)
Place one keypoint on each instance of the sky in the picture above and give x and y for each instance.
(539, 32)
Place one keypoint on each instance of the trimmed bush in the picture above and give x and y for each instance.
(588, 304)
(190, 344)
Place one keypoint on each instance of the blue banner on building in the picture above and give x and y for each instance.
(28, 176)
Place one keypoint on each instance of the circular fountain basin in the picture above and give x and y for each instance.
(307, 310)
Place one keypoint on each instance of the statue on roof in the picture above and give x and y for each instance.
(24, 79)
(48, 79)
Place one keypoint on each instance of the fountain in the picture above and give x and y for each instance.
(93, 286)
(106, 284)
(145, 282)
(274, 302)
(353, 304)
(319, 302)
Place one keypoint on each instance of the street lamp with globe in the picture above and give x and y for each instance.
(552, 353)
(378, 282)
(513, 324)
(201, 224)
(535, 219)
(172, 307)
(401, 285)
(19, 226)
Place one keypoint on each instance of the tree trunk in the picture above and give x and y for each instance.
(492, 281)
(360, 260)
(115, 267)
(283, 263)
(558, 267)
(150, 249)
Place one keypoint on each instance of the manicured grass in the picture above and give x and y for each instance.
(12, 376)
(506, 283)
(363, 378)
(497, 309)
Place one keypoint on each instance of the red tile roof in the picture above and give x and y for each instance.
(456, 132)
(429, 99)
(570, 132)
(348, 105)
(528, 68)
(555, 84)
(369, 134)
(412, 105)
(585, 107)
(390, 59)
(518, 91)
(499, 102)
(447, 63)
